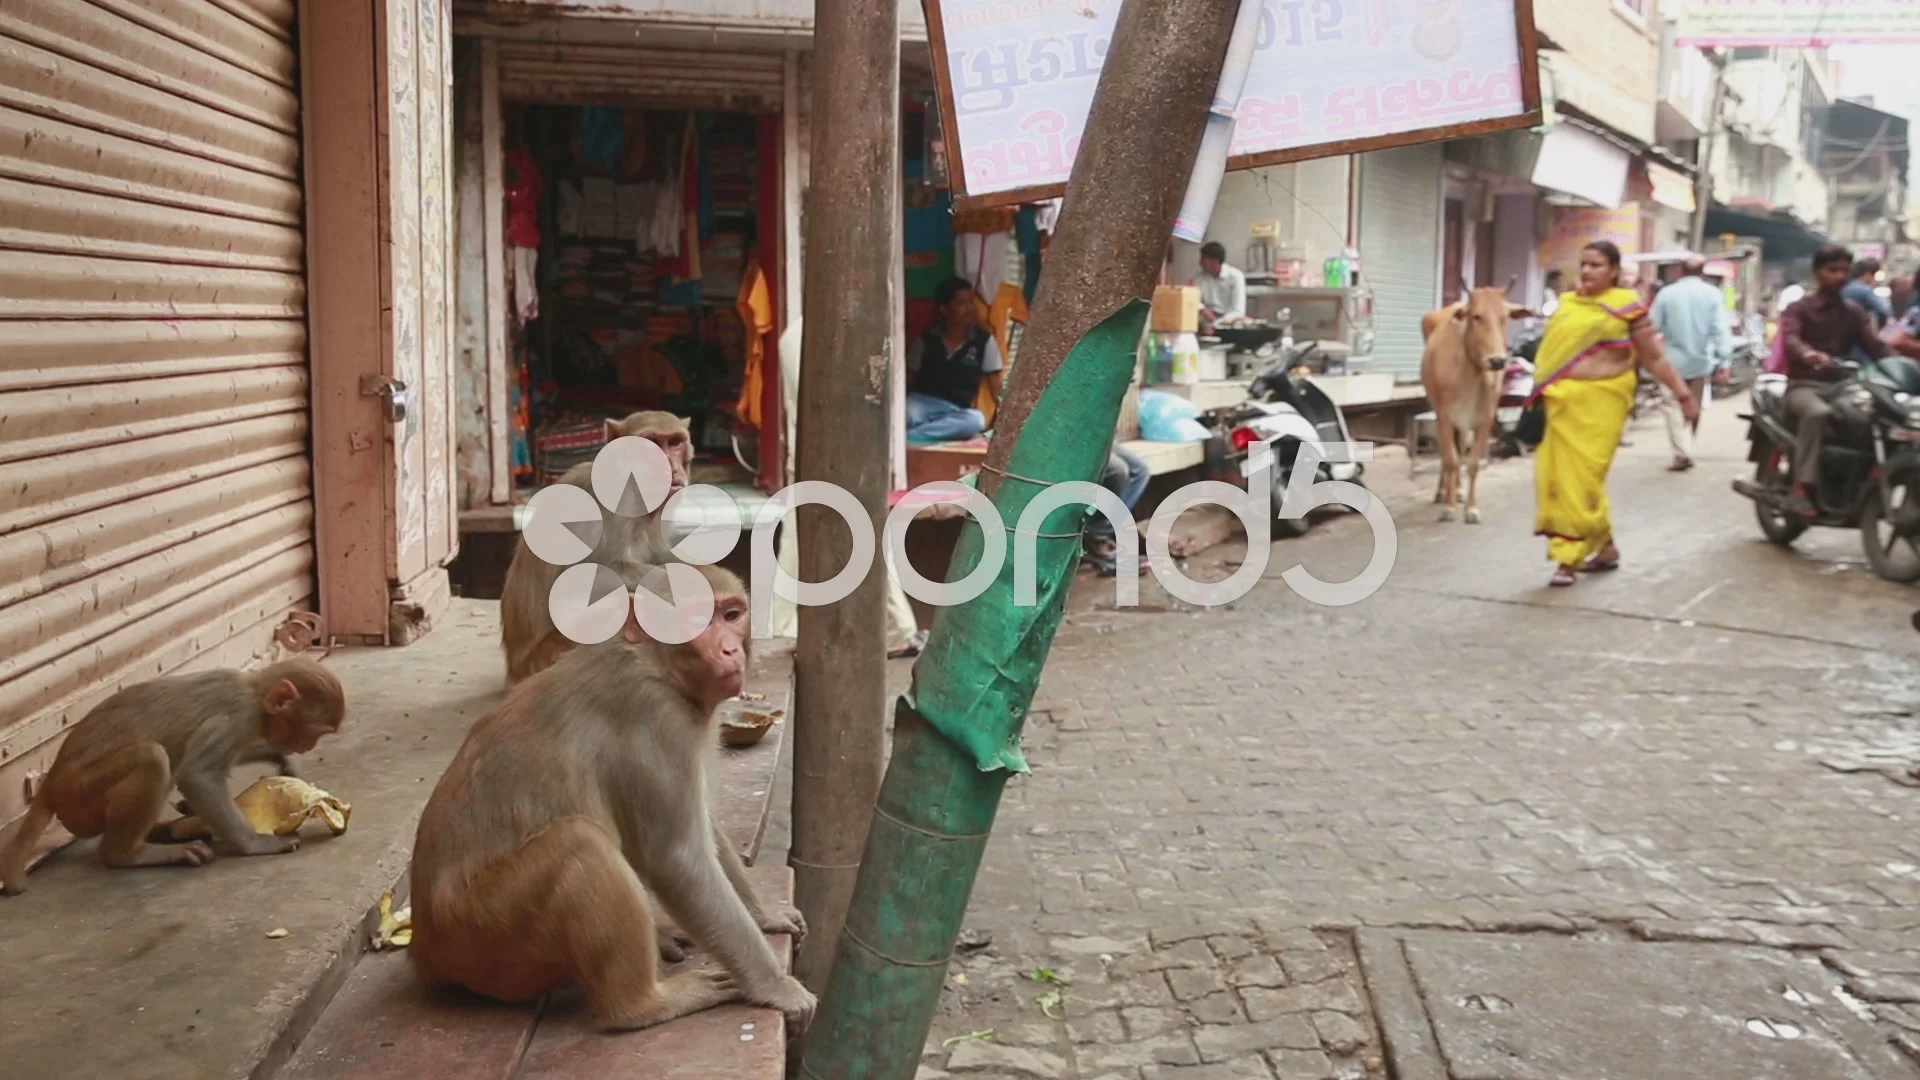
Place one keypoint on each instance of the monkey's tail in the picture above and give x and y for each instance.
(13, 862)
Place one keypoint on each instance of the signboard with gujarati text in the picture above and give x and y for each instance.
(1795, 24)
(1016, 79)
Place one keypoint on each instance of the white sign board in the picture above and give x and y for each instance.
(1017, 77)
(1792, 24)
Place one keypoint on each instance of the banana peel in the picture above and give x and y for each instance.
(396, 927)
(273, 804)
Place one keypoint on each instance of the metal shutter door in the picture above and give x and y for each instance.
(1399, 220)
(155, 488)
(634, 77)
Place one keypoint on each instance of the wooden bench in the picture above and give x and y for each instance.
(384, 1023)
(1395, 420)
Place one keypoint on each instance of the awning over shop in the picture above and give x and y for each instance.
(1578, 162)
(1671, 189)
(1785, 236)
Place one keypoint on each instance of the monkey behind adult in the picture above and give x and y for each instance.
(582, 791)
(117, 766)
(628, 546)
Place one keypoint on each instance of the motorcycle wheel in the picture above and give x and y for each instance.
(1770, 472)
(1893, 557)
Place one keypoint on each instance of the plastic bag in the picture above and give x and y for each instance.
(1168, 417)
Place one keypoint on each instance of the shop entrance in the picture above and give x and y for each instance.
(642, 261)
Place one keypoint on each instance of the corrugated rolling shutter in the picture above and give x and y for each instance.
(155, 488)
(1399, 222)
(574, 74)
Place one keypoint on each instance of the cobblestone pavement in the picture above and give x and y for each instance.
(1706, 745)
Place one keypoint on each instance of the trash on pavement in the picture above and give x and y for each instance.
(273, 804)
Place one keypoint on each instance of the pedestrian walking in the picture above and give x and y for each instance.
(1587, 371)
(1861, 289)
(1691, 317)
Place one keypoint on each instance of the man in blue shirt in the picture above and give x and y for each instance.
(1691, 315)
(1859, 290)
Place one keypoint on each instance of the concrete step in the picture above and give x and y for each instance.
(225, 970)
(385, 1023)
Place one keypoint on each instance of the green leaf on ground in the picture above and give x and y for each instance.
(984, 1033)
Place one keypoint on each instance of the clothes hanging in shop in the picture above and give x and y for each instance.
(526, 287)
(1026, 235)
(981, 258)
(524, 187)
(1047, 216)
(755, 305)
(602, 136)
(1009, 306)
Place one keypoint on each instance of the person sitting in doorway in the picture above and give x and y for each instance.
(945, 367)
(1126, 476)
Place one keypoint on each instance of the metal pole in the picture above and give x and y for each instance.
(840, 677)
(1703, 161)
(955, 738)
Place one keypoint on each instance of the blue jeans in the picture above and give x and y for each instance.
(1127, 477)
(931, 419)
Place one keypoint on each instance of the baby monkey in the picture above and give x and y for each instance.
(112, 776)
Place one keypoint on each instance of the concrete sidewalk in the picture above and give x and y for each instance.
(170, 973)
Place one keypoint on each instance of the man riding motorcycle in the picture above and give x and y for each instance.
(1817, 330)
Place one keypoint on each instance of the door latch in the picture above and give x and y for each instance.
(391, 391)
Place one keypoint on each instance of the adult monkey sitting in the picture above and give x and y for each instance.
(585, 789)
(628, 546)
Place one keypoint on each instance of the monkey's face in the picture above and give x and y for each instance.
(296, 726)
(668, 432)
(720, 651)
(679, 451)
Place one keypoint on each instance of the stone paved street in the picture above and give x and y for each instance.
(1705, 746)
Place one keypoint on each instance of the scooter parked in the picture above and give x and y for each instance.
(1290, 415)
(1516, 386)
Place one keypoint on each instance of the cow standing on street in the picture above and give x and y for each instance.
(1462, 369)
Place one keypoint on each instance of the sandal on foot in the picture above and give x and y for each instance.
(1562, 578)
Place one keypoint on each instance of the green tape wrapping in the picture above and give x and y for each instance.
(978, 677)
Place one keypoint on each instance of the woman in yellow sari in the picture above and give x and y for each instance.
(1585, 372)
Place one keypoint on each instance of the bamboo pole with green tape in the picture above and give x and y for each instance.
(956, 732)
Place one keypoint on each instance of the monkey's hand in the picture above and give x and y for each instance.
(784, 919)
(267, 844)
(792, 999)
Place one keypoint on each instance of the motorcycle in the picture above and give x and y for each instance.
(1286, 414)
(1516, 385)
(1869, 470)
